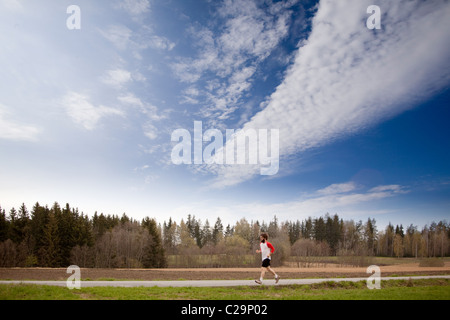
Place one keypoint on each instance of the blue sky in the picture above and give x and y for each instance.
(86, 115)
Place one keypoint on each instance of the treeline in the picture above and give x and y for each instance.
(322, 236)
(59, 237)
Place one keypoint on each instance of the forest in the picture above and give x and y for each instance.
(61, 236)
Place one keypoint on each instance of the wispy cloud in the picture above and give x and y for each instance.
(117, 77)
(249, 36)
(136, 40)
(83, 112)
(352, 203)
(317, 203)
(346, 78)
(13, 130)
(134, 7)
(337, 188)
(149, 113)
(118, 35)
(159, 42)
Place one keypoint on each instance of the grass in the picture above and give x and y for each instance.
(418, 289)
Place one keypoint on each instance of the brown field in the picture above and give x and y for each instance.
(216, 273)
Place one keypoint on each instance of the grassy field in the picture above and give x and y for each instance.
(419, 289)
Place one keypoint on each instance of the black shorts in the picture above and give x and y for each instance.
(266, 263)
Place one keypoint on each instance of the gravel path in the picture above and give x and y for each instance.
(208, 283)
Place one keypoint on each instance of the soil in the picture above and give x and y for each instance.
(215, 274)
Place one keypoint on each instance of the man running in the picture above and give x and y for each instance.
(266, 249)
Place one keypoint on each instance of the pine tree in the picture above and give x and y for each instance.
(206, 234)
(39, 219)
(308, 229)
(22, 223)
(319, 229)
(273, 227)
(229, 231)
(50, 253)
(370, 232)
(217, 234)
(154, 256)
(294, 231)
(4, 225)
(333, 233)
(13, 232)
(169, 236)
(198, 234)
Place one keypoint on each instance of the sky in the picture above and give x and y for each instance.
(350, 105)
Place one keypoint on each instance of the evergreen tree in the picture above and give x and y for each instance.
(39, 219)
(206, 234)
(308, 229)
(319, 229)
(22, 224)
(294, 231)
(50, 253)
(229, 231)
(4, 225)
(217, 234)
(370, 234)
(273, 228)
(14, 232)
(169, 236)
(198, 234)
(333, 232)
(154, 256)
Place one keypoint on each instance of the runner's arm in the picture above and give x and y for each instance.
(270, 246)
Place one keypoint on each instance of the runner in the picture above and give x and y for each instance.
(266, 249)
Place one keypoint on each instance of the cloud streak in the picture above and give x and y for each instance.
(356, 201)
(12, 130)
(83, 112)
(346, 78)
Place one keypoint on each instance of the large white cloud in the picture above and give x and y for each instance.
(346, 78)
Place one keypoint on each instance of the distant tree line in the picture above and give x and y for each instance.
(59, 237)
(322, 236)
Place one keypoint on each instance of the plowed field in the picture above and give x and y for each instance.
(215, 273)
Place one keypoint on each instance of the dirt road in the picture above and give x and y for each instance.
(60, 274)
(209, 283)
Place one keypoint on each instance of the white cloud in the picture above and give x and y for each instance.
(249, 35)
(338, 201)
(338, 188)
(150, 131)
(158, 42)
(131, 99)
(148, 109)
(83, 112)
(119, 35)
(135, 7)
(12, 130)
(314, 204)
(117, 77)
(136, 40)
(346, 78)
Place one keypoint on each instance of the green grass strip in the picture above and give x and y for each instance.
(419, 289)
